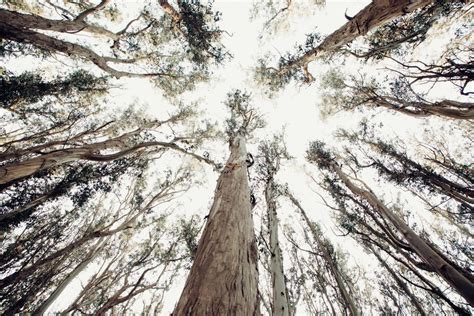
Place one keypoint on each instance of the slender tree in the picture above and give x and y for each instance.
(270, 156)
(295, 65)
(352, 93)
(325, 248)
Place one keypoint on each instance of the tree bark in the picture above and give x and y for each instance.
(51, 44)
(463, 285)
(169, 10)
(223, 279)
(445, 108)
(21, 20)
(280, 306)
(30, 166)
(377, 13)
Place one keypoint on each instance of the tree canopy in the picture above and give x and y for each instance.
(235, 158)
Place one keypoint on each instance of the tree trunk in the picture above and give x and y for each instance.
(29, 21)
(400, 284)
(463, 285)
(223, 279)
(41, 310)
(445, 108)
(169, 10)
(332, 266)
(377, 13)
(89, 152)
(281, 306)
(51, 44)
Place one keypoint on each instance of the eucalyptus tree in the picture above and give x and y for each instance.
(80, 157)
(136, 269)
(350, 92)
(399, 286)
(223, 278)
(399, 36)
(327, 259)
(294, 65)
(39, 260)
(396, 165)
(172, 45)
(393, 226)
(271, 154)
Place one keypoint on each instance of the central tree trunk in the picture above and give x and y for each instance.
(223, 278)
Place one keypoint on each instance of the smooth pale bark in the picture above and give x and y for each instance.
(223, 279)
(332, 266)
(377, 13)
(41, 310)
(463, 285)
(280, 306)
(400, 283)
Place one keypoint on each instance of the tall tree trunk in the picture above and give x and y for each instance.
(463, 285)
(332, 266)
(64, 283)
(281, 306)
(377, 13)
(223, 279)
(400, 283)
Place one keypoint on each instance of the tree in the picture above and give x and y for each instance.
(398, 36)
(70, 158)
(223, 277)
(460, 280)
(295, 65)
(352, 93)
(194, 36)
(326, 250)
(31, 271)
(271, 154)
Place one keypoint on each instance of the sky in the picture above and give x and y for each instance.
(295, 110)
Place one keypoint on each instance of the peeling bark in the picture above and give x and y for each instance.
(223, 279)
